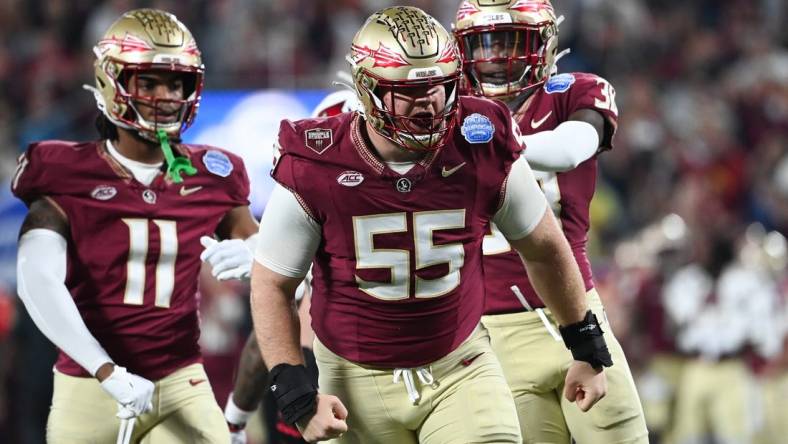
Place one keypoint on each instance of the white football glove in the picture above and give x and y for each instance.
(229, 259)
(133, 393)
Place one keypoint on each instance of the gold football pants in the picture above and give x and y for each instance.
(535, 364)
(714, 399)
(461, 398)
(184, 411)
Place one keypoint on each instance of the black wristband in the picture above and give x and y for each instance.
(584, 339)
(295, 394)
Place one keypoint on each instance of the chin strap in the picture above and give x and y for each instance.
(175, 165)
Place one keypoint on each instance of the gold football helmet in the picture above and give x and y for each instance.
(507, 46)
(145, 40)
(404, 50)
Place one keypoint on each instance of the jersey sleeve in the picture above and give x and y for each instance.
(226, 170)
(239, 193)
(514, 141)
(508, 148)
(35, 174)
(282, 171)
(596, 93)
(287, 165)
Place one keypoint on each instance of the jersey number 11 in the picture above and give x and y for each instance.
(138, 252)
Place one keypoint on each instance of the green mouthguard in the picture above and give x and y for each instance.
(175, 165)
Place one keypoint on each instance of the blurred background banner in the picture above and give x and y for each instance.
(12, 212)
(687, 223)
(246, 123)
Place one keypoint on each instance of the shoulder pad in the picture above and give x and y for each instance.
(311, 137)
(45, 167)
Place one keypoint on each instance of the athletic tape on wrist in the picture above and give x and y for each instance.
(236, 415)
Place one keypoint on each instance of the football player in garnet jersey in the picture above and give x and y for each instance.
(109, 252)
(390, 207)
(509, 50)
(251, 376)
(251, 383)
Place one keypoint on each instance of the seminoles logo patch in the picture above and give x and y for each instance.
(350, 178)
(319, 139)
(103, 192)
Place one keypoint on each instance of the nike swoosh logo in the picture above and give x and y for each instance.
(449, 172)
(194, 382)
(537, 123)
(468, 361)
(186, 191)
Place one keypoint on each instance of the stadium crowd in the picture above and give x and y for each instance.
(695, 189)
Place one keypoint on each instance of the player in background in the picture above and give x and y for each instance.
(337, 102)
(109, 252)
(390, 207)
(251, 377)
(251, 383)
(726, 306)
(509, 51)
(648, 260)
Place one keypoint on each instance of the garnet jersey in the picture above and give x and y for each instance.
(134, 250)
(569, 193)
(397, 277)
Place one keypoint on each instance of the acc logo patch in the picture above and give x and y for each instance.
(559, 83)
(350, 178)
(319, 139)
(103, 192)
(477, 128)
(217, 163)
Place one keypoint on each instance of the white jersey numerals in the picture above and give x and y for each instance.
(495, 242)
(138, 252)
(20, 168)
(608, 100)
(426, 253)
(548, 182)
